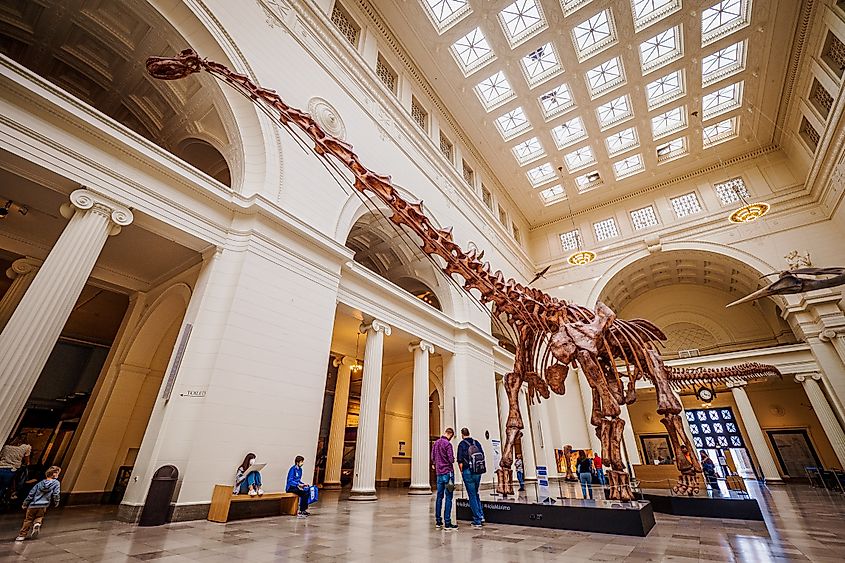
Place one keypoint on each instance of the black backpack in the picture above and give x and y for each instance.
(477, 465)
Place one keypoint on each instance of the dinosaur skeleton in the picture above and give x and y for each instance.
(552, 335)
(790, 281)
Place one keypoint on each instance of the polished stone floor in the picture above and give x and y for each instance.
(803, 524)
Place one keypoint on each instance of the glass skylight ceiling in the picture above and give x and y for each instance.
(593, 35)
(529, 81)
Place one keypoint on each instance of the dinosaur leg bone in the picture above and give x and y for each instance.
(513, 432)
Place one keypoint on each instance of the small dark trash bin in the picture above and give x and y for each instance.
(157, 507)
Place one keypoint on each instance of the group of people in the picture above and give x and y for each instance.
(590, 470)
(472, 465)
(248, 482)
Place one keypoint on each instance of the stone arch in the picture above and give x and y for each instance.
(202, 155)
(353, 209)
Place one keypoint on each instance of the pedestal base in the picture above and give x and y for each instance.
(419, 490)
(705, 507)
(625, 518)
(331, 486)
(363, 495)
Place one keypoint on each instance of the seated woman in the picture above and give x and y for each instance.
(247, 483)
(297, 487)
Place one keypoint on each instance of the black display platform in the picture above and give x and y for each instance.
(629, 519)
(705, 507)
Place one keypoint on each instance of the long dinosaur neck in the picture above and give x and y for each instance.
(523, 306)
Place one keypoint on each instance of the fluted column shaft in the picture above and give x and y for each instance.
(827, 418)
(420, 484)
(755, 434)
(366, 454)
(35, 326)
(529, 458)
(21, 273)
(337, 432)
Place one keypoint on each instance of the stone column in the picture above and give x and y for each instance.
(420, 484)
(504, 408)
(22, 273)
(630, 438)
(35, 326)
(824, 413)
(587, 403)
(337, 432)
(366, 447)
(529, 457)
(755, 434)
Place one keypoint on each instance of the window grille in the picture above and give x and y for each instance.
(731, 191)
(503, 217)
(833, 54)
(419, 114)
(606, 229)
(821, 98)
(570, 240)
(515, 230)
(469, 175)
(486, 197)
(447, 148)
(643, 218)
(386, 74)
(344, 24)
(686, 204)
(809, 134)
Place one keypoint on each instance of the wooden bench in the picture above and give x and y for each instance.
(268, 504)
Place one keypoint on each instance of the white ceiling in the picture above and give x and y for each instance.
(600, 98)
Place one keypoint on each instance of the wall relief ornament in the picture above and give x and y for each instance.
(327, 117)
(797, 260)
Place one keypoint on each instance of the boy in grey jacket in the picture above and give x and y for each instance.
(42, 495)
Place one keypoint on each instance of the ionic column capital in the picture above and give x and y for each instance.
(83, 200)
(802, 377)
(23, 266)
(343, 360)
(376, 326)
(739, 385)
(421, 345)
(827, 335)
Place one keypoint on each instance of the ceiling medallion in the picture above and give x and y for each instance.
(749, 213)
(581, 257)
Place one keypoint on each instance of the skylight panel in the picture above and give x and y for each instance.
(606, 229)
(605, 76)
(672, 150)
(669, 122)
(686, 204)
(569, 132)
(628, 166)
(553, 194)
(472, 50)
(556, 101)
(647, 12)
(579, 158)
(614, 111)
(540, 64)
(588, 181)
(512, 123)
(724, 18)
(494, 91)
(541, 174)
(661, 49)
(731, 191)
(622, 141)
(722, 100)
(527, 151)
(720, 132)
(444, 13)
(594, 35)
(521, 20)
(570, 240)
(665, 89)
(723, 63)
(644, 217)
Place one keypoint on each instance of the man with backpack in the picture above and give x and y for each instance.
(472, 464)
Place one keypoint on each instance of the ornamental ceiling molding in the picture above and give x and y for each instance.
(393, 119)
(796, 57)
(751, 155)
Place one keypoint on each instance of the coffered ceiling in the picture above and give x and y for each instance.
(575, 102)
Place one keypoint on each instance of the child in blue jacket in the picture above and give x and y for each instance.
(42, 495)
(297, 487)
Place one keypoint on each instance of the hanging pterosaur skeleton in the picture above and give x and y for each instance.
(552, 335)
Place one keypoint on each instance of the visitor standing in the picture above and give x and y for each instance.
(12, 456)
(247, 482)
(473, 466)
(443, 461)
(585, 474)
(45, 493)
(519, 465)
(599, 469)
(709, 469)
(297, 487)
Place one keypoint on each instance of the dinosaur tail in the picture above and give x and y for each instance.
(684, 377)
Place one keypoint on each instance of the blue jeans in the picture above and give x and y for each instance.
(586, 481)
(472, 482)
(520, 476)
(253, 479)
(442, 481)
(7, 480)
(600, 475)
